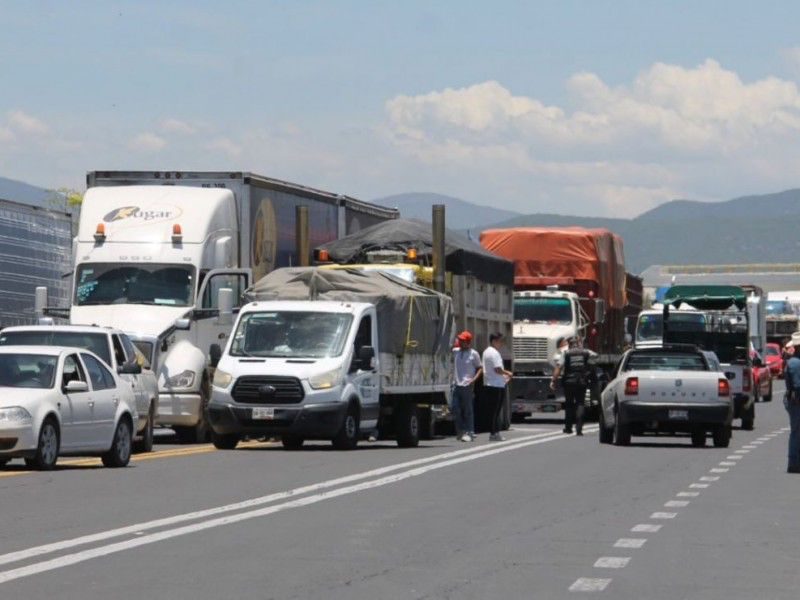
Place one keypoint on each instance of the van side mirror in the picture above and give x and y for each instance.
(366, 357)
(214, 355)
(130, 368)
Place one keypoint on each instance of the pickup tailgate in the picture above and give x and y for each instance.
(682, 387)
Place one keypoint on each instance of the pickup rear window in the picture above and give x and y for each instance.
(665, 361)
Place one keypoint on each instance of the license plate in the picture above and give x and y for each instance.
(549, 408)
(263, 413)
(679, 414)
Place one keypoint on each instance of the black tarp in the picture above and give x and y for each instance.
(462, 256)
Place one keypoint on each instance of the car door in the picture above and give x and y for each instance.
(364, 376)
(76, 413)
(103, 403)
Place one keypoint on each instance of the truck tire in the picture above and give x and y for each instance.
(722, 436)
(292, 442)
(224, 441)
(606, 433)
(698, 436)
(748, 418)
(622, 433)
(407, 425)
(427, 423)
(119, 455)
(348, 435)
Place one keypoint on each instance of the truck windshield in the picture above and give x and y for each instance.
(651, 326)
(291, 334)
(96, 342)
(114, 283)
(778, 307)
(543, 310)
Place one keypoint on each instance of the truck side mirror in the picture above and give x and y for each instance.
(225, 305)
(214, 355)
(366, 357)
(599, 310)
(130, 368)
(183, 324)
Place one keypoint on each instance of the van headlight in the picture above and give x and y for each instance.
(182, 380)
(222, 378)
(324, 381)
(14, 414)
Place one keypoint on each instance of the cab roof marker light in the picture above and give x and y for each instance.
(177, 233)
(100, 233)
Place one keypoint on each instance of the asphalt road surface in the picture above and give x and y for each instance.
(542, 515)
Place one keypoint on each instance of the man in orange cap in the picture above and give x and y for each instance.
(466, 370)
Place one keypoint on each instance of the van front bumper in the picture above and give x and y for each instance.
(322, 420)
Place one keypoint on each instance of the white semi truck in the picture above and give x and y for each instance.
(154, 249)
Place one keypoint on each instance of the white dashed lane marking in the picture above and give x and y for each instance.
(630, 543)
(709, 478)
(586, 584)
(701, 486)
(688, 494)
(676, 504)
(727, 463)
(718, 470)
(646, 528)
(612, 562)
(734, 457)
(663, 515)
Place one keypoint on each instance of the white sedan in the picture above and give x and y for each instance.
(673, 389)
(62, 401)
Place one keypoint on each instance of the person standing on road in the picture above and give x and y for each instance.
(495, 378)
(466, 370)
(575, 374)
(792, 403)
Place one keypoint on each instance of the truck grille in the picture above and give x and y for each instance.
(530, 348)
(248, 390)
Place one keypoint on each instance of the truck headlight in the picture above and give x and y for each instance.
(324, 381)
(222, 378)
(182, 380)
(14, 414)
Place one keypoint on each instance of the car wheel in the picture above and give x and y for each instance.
(224, 441)
(47, 449)
(119, 455)
(292, 442)
(407, 425)
(748, 418)
(606, 433)
(148, 436)
(622, 433)
(722, 436)
(698, 437)
(768, 396)
(347, 438)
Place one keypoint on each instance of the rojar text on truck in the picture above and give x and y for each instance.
(155, 253)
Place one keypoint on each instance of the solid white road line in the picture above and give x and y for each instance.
(83, 556)
(630, 543)
(587, 584)
(612, 562)
(646, 528)
(182, 518)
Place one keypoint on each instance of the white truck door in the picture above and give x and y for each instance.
(209, 331)
(364, 375)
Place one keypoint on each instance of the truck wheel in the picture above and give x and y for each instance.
(292, 442)
(407, 425)
(622, 433)
(224, 441)
(748, 418)
(606, 433)
(347, 438)
(722, 436)
(427, 423)
(119, 454)
(698, 437)
(146, 443)
(47, 450)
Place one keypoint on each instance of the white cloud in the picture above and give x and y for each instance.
(25, 123)
(224, 146)
(147, 142)
(177, 126)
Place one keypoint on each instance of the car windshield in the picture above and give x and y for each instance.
(543, 310)
(651, 326)
(665, 361)
(27, 370)
(158, 284)
(95, 342)
(290, 334)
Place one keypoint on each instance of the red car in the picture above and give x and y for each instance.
(772, 352)
(762, 378)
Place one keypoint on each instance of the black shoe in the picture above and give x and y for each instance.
(578, 433)
(565, 430)
(793, 469)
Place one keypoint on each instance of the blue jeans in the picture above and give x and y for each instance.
(462, 407)
(794, 434)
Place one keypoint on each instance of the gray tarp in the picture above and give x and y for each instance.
(411, 318)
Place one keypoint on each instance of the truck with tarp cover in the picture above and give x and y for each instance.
(335, 355)
(568, 282)
(735, 319)
(480, 283)
(35, 250)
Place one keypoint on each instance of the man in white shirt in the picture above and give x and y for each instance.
(466, 370)
(495, 378)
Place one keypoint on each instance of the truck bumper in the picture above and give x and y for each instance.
(659, 414)
(178, 409)
(531, 394)
(309, 421)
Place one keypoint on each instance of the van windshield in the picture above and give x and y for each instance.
(134, 283)
(291, 334)
(543, 310)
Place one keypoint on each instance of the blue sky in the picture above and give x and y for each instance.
(593, 107)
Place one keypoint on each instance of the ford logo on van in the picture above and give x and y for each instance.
(267, 391)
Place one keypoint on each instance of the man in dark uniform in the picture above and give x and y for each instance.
(576, 373)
